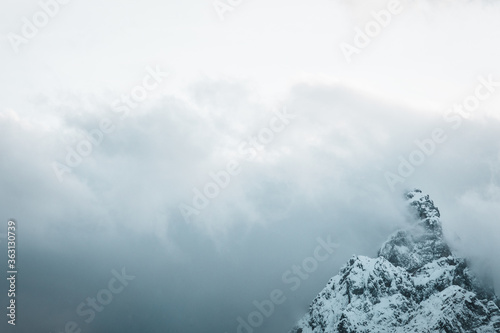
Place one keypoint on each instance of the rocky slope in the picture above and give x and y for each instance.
(415, 285)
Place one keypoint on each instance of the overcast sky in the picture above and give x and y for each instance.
(265, 96)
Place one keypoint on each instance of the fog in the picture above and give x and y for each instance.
(301, 141)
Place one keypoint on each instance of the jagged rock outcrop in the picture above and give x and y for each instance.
(415, 285)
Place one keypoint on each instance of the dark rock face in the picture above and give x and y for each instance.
(420, 244)
(415, 285)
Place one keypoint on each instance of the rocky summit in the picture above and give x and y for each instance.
(416, 284)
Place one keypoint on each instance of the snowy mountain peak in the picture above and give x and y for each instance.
(415, 285)
(427, 213)
(420, 243)
(424, 206)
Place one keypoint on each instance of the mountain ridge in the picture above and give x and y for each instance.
(416, 284)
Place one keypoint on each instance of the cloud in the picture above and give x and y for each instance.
(323, 174)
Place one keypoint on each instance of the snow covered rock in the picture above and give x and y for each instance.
(415, 285)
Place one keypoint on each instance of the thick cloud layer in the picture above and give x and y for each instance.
(208, 192)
